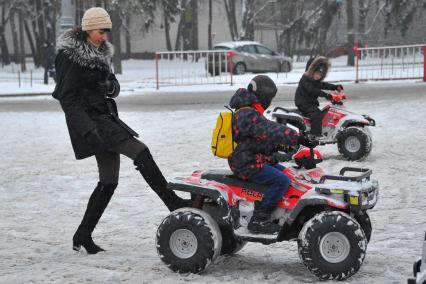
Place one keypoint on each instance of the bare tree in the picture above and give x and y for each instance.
(14, 32)
(22, 42)
(400, 14)
(350, 31)
(209, 27)
(231, 16)
(5, 56)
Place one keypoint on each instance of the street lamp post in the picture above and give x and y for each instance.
(66, 21)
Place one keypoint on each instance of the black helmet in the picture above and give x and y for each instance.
(264, 89)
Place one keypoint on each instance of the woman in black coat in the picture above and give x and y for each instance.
(310, 88)
(85, 89)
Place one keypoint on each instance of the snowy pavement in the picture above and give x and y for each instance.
(44, 191)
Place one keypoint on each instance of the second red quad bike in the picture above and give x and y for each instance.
(339, 125)
(325, 214)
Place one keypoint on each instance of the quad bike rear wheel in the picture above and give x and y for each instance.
(354, 143)
(332, 245)
(188, 240)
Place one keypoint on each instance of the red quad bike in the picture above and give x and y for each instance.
(349, 130)
(326, 214)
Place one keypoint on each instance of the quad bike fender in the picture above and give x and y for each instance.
(313, 198)
(348, 123)
(353, 119)
(224, 215)
(311, 203)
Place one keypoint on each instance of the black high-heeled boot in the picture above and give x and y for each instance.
(98, 201)
(146, 165)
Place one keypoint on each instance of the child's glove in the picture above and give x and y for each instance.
(281, 157)
(339, 88)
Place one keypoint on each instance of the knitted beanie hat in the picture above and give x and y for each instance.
(96, 18)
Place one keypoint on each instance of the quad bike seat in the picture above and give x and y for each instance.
(228, 178)
(289, 116)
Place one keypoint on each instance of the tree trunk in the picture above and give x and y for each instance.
(41, 36)
(179, 33)
(167, 31)
(232, 22)
(116, 39)
(22, 42)
(209, 28)
(350, 32)
(5, 57)
(128, 37)
(189, 27)
(247, 27)
(14, 33)
(362, 18)
(55, 19)
(31, 42)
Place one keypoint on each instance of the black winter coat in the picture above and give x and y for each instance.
(309, 90)
(82, 71)
(257, 137)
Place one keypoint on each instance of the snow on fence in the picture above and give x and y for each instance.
(193, 67)
(390, 63)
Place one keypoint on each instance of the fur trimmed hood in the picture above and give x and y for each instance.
(75, 46)
(319, 62)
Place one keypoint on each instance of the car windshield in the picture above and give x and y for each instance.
(249, 49)
(263, 50)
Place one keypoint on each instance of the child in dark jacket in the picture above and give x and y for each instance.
(256, 156)
(310, 88)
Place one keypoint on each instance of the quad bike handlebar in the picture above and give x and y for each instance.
(337, 98)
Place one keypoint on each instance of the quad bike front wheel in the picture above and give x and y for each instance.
(230, 243)
(354, 143)
(365, 222)
(332, 245)
(188, 240)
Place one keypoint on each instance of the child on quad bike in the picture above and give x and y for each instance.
(310, 88)
(256, 156)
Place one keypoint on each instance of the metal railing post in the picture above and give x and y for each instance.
(231, 71)
(157, 77)
(424, 63)
(356, 64)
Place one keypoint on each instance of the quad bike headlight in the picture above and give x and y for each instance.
(354, 200)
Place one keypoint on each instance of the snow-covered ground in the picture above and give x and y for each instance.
(44, 191)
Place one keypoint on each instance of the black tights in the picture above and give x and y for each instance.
(109, 161)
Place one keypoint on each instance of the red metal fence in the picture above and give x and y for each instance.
(193, 67)
(391, 62)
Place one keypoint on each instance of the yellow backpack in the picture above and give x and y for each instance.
(222, 140)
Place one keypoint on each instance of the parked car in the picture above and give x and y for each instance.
(247, 56)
